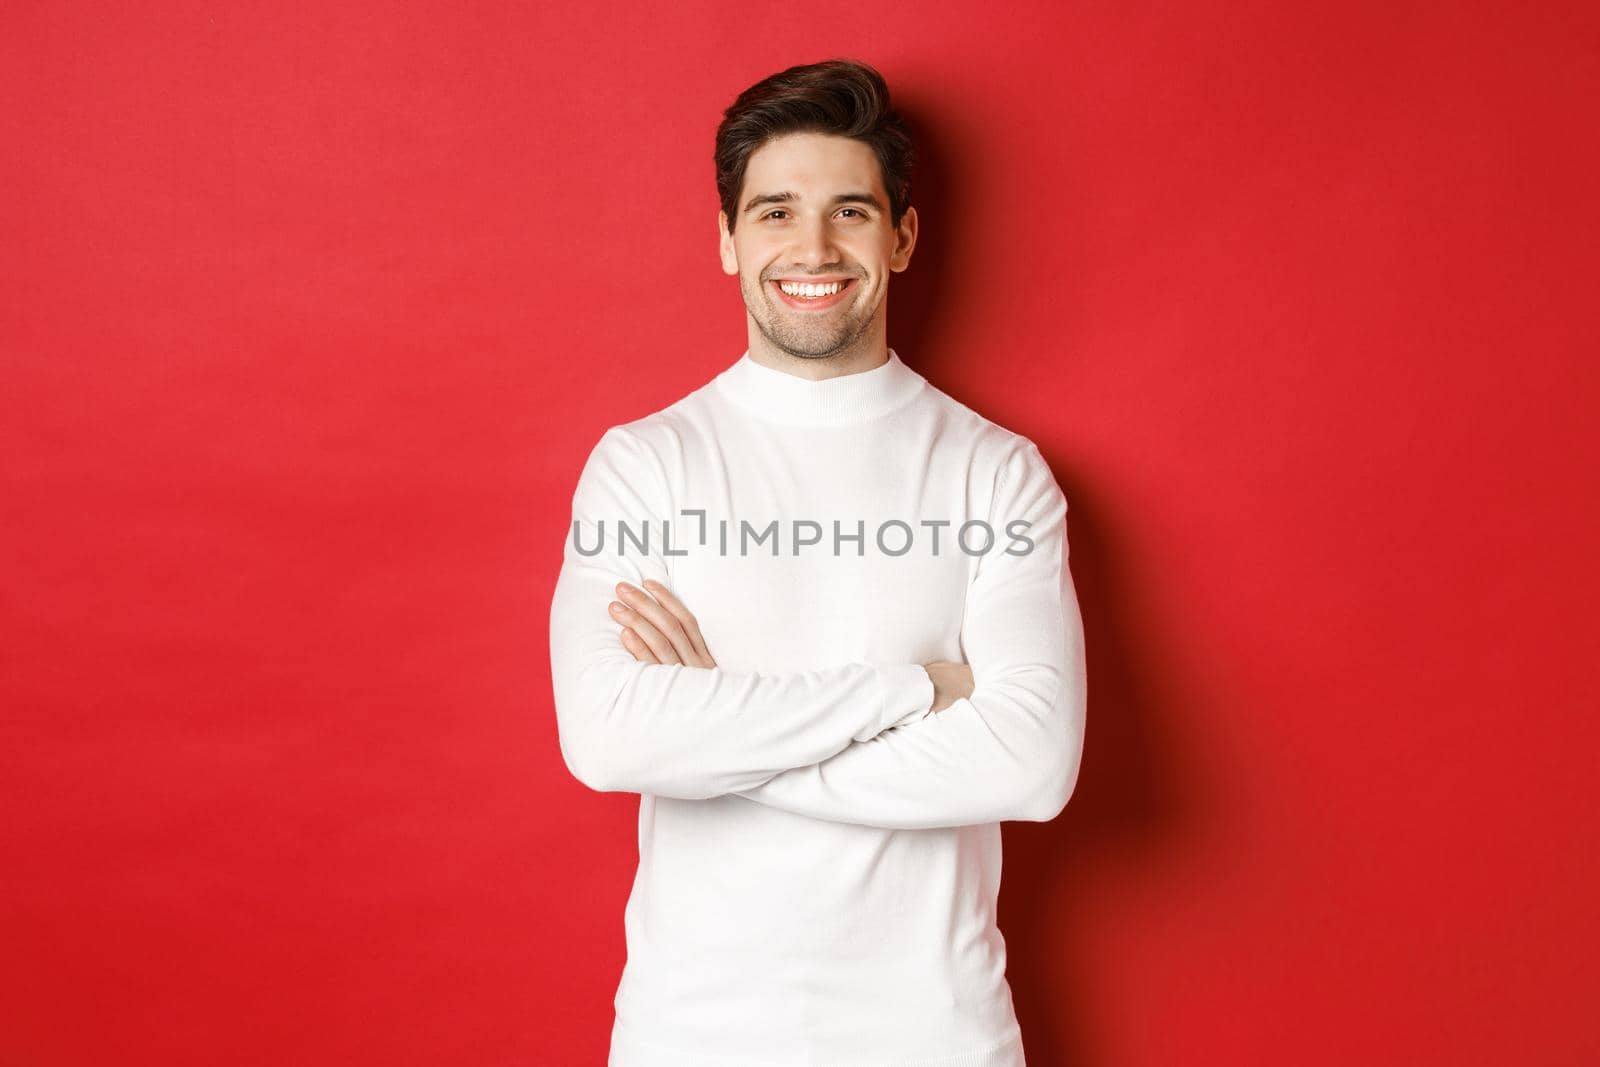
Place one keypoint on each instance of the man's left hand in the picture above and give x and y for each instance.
(657, 628)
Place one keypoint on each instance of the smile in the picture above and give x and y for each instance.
(812, 296)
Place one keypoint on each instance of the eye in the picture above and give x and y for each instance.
(856, 210)
(777, 211)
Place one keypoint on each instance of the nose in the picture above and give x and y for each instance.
(813, 244)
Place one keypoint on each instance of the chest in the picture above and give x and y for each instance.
(799, 559)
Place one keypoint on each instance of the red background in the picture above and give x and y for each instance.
(310, 316)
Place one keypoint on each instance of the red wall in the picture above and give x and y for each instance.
(310, 316)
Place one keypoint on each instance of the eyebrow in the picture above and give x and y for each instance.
(784, 198)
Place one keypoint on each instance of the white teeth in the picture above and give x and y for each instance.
(802, 289)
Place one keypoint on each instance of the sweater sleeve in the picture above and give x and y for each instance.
(668, 729)
(1010, 751)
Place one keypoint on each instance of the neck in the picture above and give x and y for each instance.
(773, 395)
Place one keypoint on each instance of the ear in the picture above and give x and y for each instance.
(730, 259)
(905, 239)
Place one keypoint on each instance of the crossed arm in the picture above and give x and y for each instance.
(901, 746)
(658, 628)
(673, 730)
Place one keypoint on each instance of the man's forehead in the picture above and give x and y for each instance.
(812, 166)
(812, 155)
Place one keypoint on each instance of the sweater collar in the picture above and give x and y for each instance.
(778, 396)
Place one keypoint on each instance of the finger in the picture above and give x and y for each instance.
(685, 617)
(659, 617)
(660, 647)
(634, 645)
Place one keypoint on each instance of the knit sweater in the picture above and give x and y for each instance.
(819, 851)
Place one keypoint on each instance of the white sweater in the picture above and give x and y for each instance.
(819, 853)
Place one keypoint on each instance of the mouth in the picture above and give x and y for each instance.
(812, 296)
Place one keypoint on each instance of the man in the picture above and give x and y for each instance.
(819, 616)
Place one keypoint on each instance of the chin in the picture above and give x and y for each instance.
(811, 347)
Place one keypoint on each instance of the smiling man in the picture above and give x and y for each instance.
(813, 244)
(819, 615)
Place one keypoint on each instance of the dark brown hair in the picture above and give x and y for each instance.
(837, 96)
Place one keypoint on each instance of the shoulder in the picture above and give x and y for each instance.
(992, 445)
(1006, 467)
(660, 439)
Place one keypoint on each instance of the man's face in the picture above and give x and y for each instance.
(814, 211)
